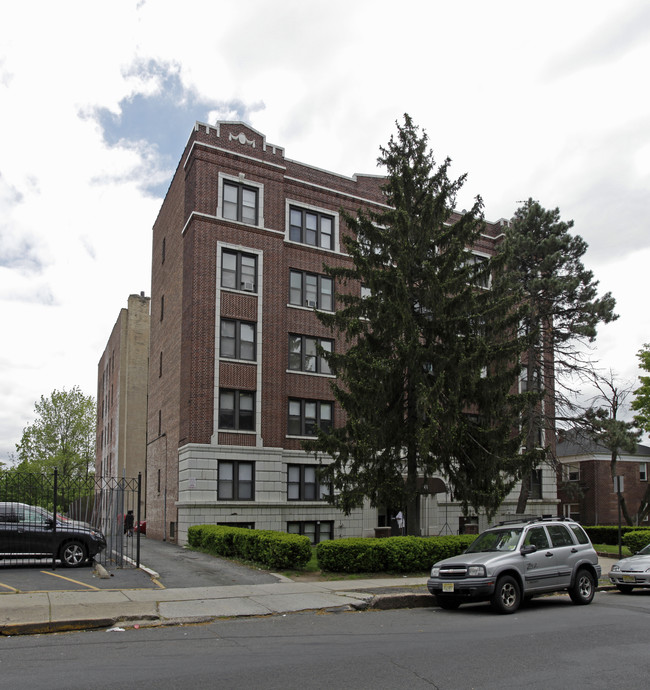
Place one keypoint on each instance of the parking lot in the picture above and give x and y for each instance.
(41, 577)
(165, 565)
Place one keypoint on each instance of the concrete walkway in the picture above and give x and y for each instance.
(40, 612)
(56, 611)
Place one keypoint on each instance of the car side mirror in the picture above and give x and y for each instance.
(49, 523)
(525, 550)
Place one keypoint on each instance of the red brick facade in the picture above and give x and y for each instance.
(189, 301)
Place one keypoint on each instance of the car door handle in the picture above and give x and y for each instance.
(548, 554)
(574, 550)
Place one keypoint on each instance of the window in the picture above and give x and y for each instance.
(311, 290)
(160, 365)
(237, 339)
(311, 227)
(236, 481)
(480, 274)
(534, 385)
(162, 307)
(536, 536)
(536, 484)
(304, 354)
(238, 271)
(237, 410)
(240, 202)
(303, 484)
(559, 535)
(316, 530)
(643, 471)
(572, 511)
(572, 472)
(306, 415)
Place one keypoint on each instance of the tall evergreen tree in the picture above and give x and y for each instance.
(431, 355)
(561, 313)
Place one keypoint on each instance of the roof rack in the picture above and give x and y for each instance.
(541, 518)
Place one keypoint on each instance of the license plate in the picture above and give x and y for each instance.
(629, 578)
(447, 586)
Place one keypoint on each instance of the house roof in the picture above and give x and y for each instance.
(573, 442)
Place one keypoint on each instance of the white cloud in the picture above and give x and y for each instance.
(98, 100)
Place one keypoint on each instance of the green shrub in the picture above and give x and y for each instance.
(637, 540)
(390, 554)
(271, 549)
(608, 534)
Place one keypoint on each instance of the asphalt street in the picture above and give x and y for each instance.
(547, 645)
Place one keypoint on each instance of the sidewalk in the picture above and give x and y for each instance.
(58, 611)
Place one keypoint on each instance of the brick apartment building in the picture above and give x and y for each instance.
(122, 375)
(235, 382)
(586, 490)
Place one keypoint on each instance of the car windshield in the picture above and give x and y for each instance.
(645, 550)
(496, 540)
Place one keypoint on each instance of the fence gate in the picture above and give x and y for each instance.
(88, 512)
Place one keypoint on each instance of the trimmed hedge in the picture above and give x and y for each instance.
(270, 549)
(635, 541)
(608, 534)
(390, 554)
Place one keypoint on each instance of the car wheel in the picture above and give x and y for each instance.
(448, 603)
(624, 589)
(584, 587)
(507, 595)
(73, 554)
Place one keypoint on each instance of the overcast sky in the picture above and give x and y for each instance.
(97, 100)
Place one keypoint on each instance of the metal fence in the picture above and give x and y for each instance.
(89, 511)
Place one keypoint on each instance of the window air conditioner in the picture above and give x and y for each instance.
(311, 303)
(248, 286)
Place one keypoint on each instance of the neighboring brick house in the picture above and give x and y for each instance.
(585, 487)
(122, 394)
(235, 382)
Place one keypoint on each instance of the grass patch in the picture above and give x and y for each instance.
(611, 551)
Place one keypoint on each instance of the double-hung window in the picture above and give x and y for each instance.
(240, 202)
(479, 266)
(304, 354)
(316, 530)
(311, 290)
(236, 481)
(238, 270)
(237, 410)
(535, 484)
(305, 416)
(237, 340)
(303, 484)
(572, 472)
(311, 227)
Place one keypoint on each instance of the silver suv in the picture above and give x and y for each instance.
(514, 561)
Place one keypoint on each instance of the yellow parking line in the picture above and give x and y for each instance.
(9, 587)
(76, 582)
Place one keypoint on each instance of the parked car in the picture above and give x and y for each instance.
(32, 532)
(515, 561)
(632, 572)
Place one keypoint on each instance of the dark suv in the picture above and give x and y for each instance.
(31, 532)
(517, 560)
